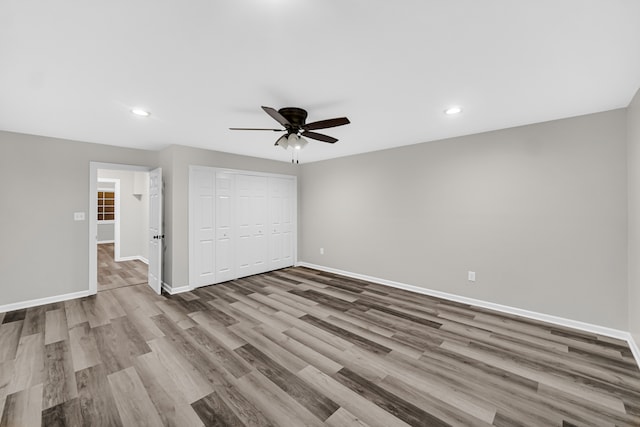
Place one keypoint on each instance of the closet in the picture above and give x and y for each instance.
(240, 223)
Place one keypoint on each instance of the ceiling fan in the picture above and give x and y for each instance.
(293, 119)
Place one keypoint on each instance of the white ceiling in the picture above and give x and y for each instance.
(74, 68)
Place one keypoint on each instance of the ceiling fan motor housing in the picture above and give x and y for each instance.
(296, 116)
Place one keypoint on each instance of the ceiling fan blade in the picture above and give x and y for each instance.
(319, 137)
(275, 130)
(276, 116)
(330, 123)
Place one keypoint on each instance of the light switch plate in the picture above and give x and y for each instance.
(78, 216)
(472, 276)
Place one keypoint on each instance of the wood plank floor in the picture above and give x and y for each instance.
(112, 274)
(298, 347)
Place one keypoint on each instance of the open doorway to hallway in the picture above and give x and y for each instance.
(122, 228)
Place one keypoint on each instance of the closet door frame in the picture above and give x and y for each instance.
(193, 253)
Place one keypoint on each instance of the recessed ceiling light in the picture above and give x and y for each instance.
(453, 110)
(140, 112)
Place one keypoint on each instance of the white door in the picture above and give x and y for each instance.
(244, 232)
(259, 220)
(155, 230)
(281, 223)
(275, 223)
(287, 223)
(201, 204)
(224, 256)
(251, 221)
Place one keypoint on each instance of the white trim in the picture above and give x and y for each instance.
(133, 258)
(634, 348)
(42, 301)
(104, 242)
(173, 291)
(560, 321)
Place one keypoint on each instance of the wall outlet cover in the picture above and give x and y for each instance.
(78, 216)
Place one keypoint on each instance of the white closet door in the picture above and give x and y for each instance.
(201, 182)
(251, 219)
(244, 232)
(260, 215)
(240, 224)
(287, 223)
(280, 222)
(224, 254)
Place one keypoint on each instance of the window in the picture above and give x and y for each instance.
(106, 205)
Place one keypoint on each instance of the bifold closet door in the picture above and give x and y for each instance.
(201, 183)
(280, 223)
(240, 224)
(224, 253)
(251, 222)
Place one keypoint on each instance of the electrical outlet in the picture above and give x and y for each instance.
(321, 251)
(471, 276)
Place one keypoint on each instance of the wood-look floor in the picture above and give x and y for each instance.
(112, 274)
(298, 347)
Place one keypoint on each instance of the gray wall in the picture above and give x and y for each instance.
(175, 161)
(106, 232)
(43, 181)
(134, 214)
(538, 212)
(633, 157)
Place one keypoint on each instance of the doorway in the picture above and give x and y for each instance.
(125, 202)
(123, 214)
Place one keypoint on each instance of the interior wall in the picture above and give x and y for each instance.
(43, 181)
(633, 158)
(176, 159)
(134, 214)
(106, 233)
(538, 212)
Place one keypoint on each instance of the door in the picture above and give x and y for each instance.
(251, 220)
(155, 230)
(224, 255)
(201, 204)
(281, 223)
(259, 219)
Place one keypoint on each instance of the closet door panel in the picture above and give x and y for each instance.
(281, 222)
(202, 183)
(243, 217)
(224, 259)
(287, 223)
(260, 215)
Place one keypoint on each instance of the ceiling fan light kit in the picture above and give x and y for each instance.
(293, 120)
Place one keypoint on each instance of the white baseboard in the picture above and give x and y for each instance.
(105, 242)
(173, 291)
(42, 301)
(634, 348)
(560, 321)
(133, 258)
